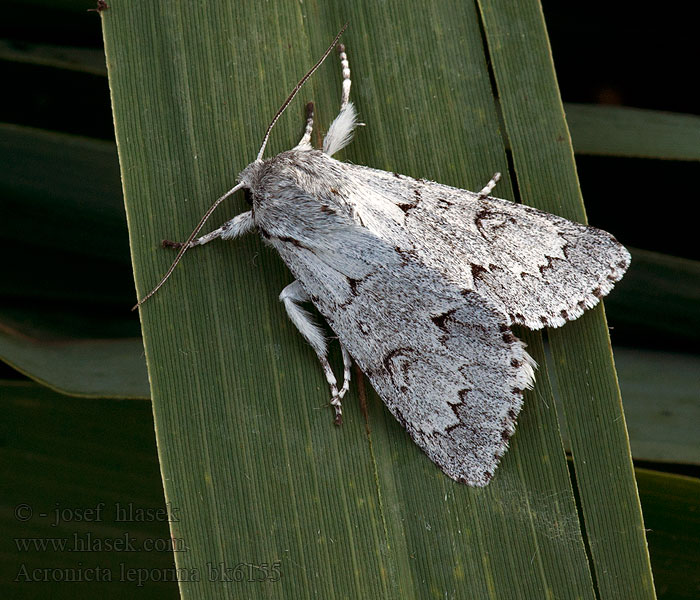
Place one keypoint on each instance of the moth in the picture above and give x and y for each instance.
(421, 282)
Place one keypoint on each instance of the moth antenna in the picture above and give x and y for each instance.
(213, 207)
(186, 245)
(302, 81)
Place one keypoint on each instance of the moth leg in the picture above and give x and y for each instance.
(488, 188)
(239, 225)
(313, 334)
(339, 134)
(347, 363)
(345, 66)
(305, 141)
(333, 384)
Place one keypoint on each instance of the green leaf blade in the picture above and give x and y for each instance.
(244, 432)
(544, 163)
(625, 131)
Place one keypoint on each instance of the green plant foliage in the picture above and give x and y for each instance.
(660, 293)
(73, 454)
(243, 429)
(624, 131)
(80, 475)
(102, 368)
(245, 437)
(582, 358)
(671, 513)
(661, 393)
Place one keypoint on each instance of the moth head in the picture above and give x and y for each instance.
(249, 179)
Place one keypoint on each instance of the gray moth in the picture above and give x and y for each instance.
(421, 282)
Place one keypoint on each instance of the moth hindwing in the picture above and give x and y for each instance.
(421, 283)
